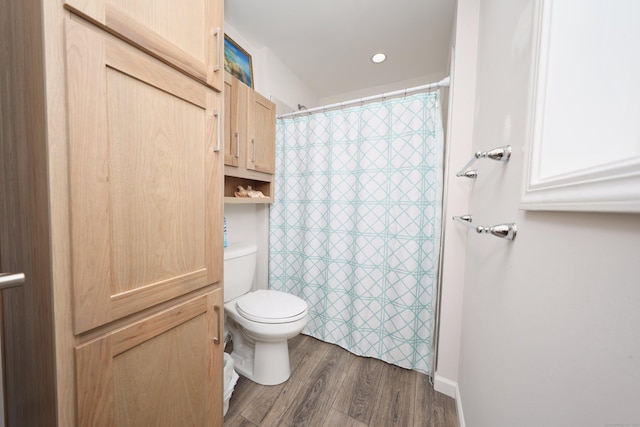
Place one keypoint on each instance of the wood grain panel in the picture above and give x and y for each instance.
(145, 179)
(130, 62)
(127, 338)
(189, 38)
(261, 150)
(162, 380)
(156, 183)
(162, 370)
(236, 109)
(154, 43)
(89, 194)
(94, 383)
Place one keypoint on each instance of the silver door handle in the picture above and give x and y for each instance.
(10, 280)
(220, 38)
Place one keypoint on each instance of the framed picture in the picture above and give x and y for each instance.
(237, 61)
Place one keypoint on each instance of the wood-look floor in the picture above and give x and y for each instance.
(332, 387)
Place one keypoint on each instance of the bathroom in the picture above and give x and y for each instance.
(541, 330)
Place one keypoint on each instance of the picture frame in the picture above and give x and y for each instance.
(237, 61)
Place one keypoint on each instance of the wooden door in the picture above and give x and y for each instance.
(187, 34)
(261, 150)
(145, 179)
(163, 370)
(236, 131)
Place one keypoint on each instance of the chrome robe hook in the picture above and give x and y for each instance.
(501, 154)
(504, 231)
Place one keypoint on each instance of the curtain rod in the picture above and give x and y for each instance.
(442, 83)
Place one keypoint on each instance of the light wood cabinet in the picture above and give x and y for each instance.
(112, 204)
(250, 137)
(188, 34)
(261, 150)
(143, 160)
(157, 371)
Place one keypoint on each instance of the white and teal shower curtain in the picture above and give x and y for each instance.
(355, 224)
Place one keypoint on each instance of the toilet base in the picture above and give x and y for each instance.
(272, 358)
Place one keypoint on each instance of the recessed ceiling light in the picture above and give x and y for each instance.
(378, 58)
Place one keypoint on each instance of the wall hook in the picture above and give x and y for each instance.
(501, 154)
(504, 231)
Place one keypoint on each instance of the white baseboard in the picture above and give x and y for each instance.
(450, 388)
(445, 385)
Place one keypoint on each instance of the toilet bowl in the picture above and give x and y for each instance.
(260, 322)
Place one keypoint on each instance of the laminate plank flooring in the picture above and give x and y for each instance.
(331, 387)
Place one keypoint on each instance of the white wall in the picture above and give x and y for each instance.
(550, 328)
(376, 90)
(273, 78)
(247, 225)
(460, 124)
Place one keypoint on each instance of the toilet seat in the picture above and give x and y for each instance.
(268, 306)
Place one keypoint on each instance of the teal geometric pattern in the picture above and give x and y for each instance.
(355, 225)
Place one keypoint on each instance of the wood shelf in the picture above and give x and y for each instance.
(231, 184)
(247, 200)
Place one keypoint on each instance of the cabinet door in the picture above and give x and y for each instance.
(145, 179)
(261, 151)
(163, 370)
(186, 34)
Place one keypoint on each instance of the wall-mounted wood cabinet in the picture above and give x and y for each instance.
(112, 184)
(249, 141)
(261, 148)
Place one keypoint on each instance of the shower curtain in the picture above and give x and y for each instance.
(355, 224)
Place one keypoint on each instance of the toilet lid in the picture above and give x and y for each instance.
(267, 306)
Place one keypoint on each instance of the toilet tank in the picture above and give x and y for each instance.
(239, 270)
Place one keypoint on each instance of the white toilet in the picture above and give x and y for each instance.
(260, 322)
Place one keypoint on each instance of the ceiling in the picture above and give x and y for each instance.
(328, 44)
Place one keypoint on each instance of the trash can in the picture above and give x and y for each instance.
(230, 380)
